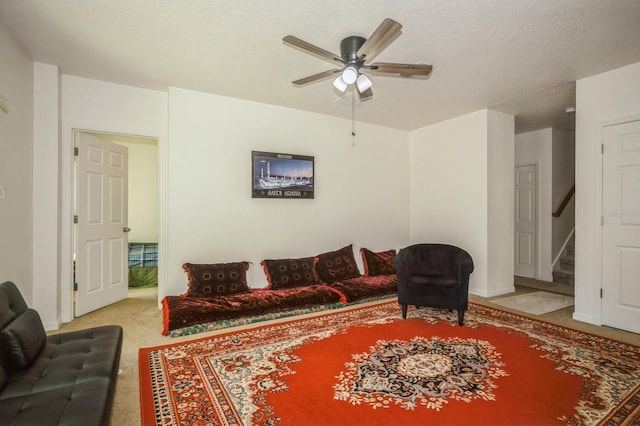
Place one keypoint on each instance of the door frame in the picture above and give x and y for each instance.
(68, 131)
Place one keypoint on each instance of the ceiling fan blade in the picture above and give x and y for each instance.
(366, 95)
(312, 50)
(315, 77)
(382, 37)
(402, 70)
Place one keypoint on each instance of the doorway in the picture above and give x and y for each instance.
(525, 222)
(103, 265)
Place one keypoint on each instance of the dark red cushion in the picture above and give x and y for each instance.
(289, 273)
(378, 263)
(216, 279)
(337, 265)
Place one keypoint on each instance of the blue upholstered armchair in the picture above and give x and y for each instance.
(433, 275)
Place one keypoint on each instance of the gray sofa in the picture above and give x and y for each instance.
(61, 379)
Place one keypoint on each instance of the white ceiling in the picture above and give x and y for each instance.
(516, 56)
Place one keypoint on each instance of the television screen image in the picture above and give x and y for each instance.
(282, 175)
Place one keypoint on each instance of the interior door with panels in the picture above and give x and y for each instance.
(525, 222)
(621, 226)
(101, 232)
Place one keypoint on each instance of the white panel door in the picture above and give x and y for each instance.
(525, 222)
(101, 232)
(621, 227)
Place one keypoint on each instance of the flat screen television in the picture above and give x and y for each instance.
(277, 175)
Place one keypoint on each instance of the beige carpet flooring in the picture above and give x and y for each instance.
(142, 323)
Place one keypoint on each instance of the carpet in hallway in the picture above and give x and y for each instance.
(536, 303)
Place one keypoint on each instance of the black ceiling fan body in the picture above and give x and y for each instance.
(356, 54)
(349, 49)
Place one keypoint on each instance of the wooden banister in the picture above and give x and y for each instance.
(565, 201)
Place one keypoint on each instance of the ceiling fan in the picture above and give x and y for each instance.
(356, 54)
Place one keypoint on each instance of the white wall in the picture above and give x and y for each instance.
(500, 202)
(361, 192)
(603, 99)
(98, 106)
(536, 148)
(46, 148)
(450, 195)
(16, 166)
(143, 191)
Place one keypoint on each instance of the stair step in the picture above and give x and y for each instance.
(563, 276)
(567, 263)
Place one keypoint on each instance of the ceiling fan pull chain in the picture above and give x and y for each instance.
(353, 113)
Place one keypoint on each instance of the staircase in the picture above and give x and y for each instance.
(566, 264)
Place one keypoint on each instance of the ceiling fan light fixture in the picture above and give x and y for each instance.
(350, 74)
(339, 84)
(363, 83)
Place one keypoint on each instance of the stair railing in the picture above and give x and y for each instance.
(566, 200)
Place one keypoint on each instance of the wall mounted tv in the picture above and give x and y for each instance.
(278, 175)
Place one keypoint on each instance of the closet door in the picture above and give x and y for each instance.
(525, 222)
(621, 226)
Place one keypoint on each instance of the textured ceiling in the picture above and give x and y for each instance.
(517, 56)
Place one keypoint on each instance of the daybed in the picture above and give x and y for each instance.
(62, 379)
(218, 295)
(143, 264)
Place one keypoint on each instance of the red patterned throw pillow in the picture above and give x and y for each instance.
(216, 279)
(289, 273)
(378, 263)
(337, 265)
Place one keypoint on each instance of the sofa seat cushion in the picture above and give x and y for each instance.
(85, 403)
(183, 311)
(366, 287)
(69, 358)
(72, 380)
(417, 280)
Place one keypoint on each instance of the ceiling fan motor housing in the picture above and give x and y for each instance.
(349, 49)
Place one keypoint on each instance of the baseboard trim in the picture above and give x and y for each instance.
(499, 292)
(583, 318)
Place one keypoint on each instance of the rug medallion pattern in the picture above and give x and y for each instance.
(420, 372)
(230, 379)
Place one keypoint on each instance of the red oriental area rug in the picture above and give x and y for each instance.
(367, 366)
